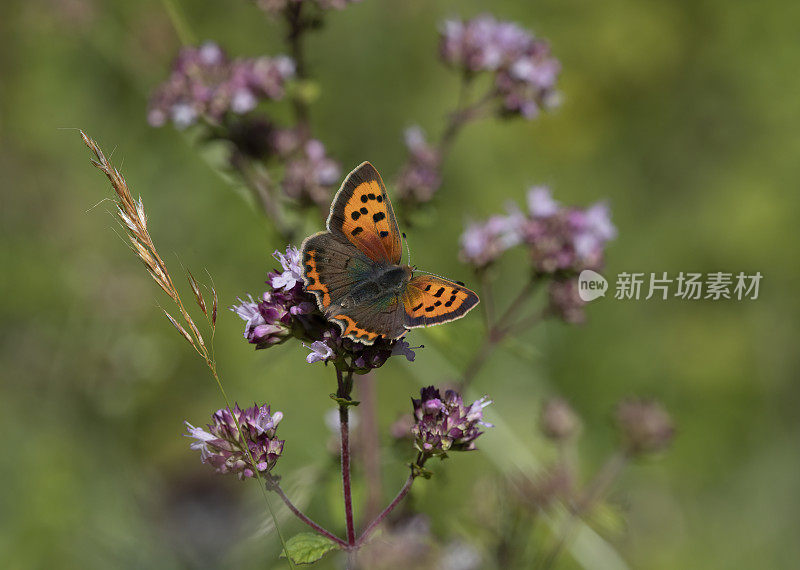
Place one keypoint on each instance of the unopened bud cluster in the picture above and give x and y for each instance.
(645, 426)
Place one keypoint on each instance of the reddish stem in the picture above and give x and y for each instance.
(345, 387)
(297, 27)
(299, 514)
(348, 497)
(370, 444)
(379, 519)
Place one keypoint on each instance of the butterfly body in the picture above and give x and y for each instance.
(386, 283)
(354, 268)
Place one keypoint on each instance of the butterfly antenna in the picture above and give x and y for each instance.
(408, 250)
(437, 275)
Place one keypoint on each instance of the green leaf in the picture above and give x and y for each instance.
(308, 547)
(344, 401)
(418, 471)
(608, 519)
(305, 90)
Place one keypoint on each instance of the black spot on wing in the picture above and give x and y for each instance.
(384, 233)
(439, 292)
(357, 230)
(378, 216)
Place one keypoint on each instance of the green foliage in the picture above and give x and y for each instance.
(608, 519)
(307, 547)
(344, 401)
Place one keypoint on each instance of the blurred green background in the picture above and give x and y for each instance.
(683, 114)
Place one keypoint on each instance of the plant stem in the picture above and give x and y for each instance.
(462, 115)
(488, 302)
(602, 481)
(508, 551)
(263, 189)
(527, 322)
(345, 388)
(274, 486)
(379, 519)
(477, 361)
(518, 302)
(370, 444)
(179, 22)
(594, 492)
(498, 331)
(213, 367)
(297, 27)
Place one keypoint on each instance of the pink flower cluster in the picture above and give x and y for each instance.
(206, 84)
(420, 177)
(561, 241)
(559, 238)
(228, 450)
(525, 72)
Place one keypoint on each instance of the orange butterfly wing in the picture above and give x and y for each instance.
(362, 213)
(363, 241)
(431, 300)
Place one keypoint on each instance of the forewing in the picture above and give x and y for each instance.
(361, 212)
(365, 323)
(332, 266)
(431, 300)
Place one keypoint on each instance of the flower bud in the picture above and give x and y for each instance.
(541, 491)
(645, 426)
(558, 421)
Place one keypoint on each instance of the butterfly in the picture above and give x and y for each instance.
(354, 271)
